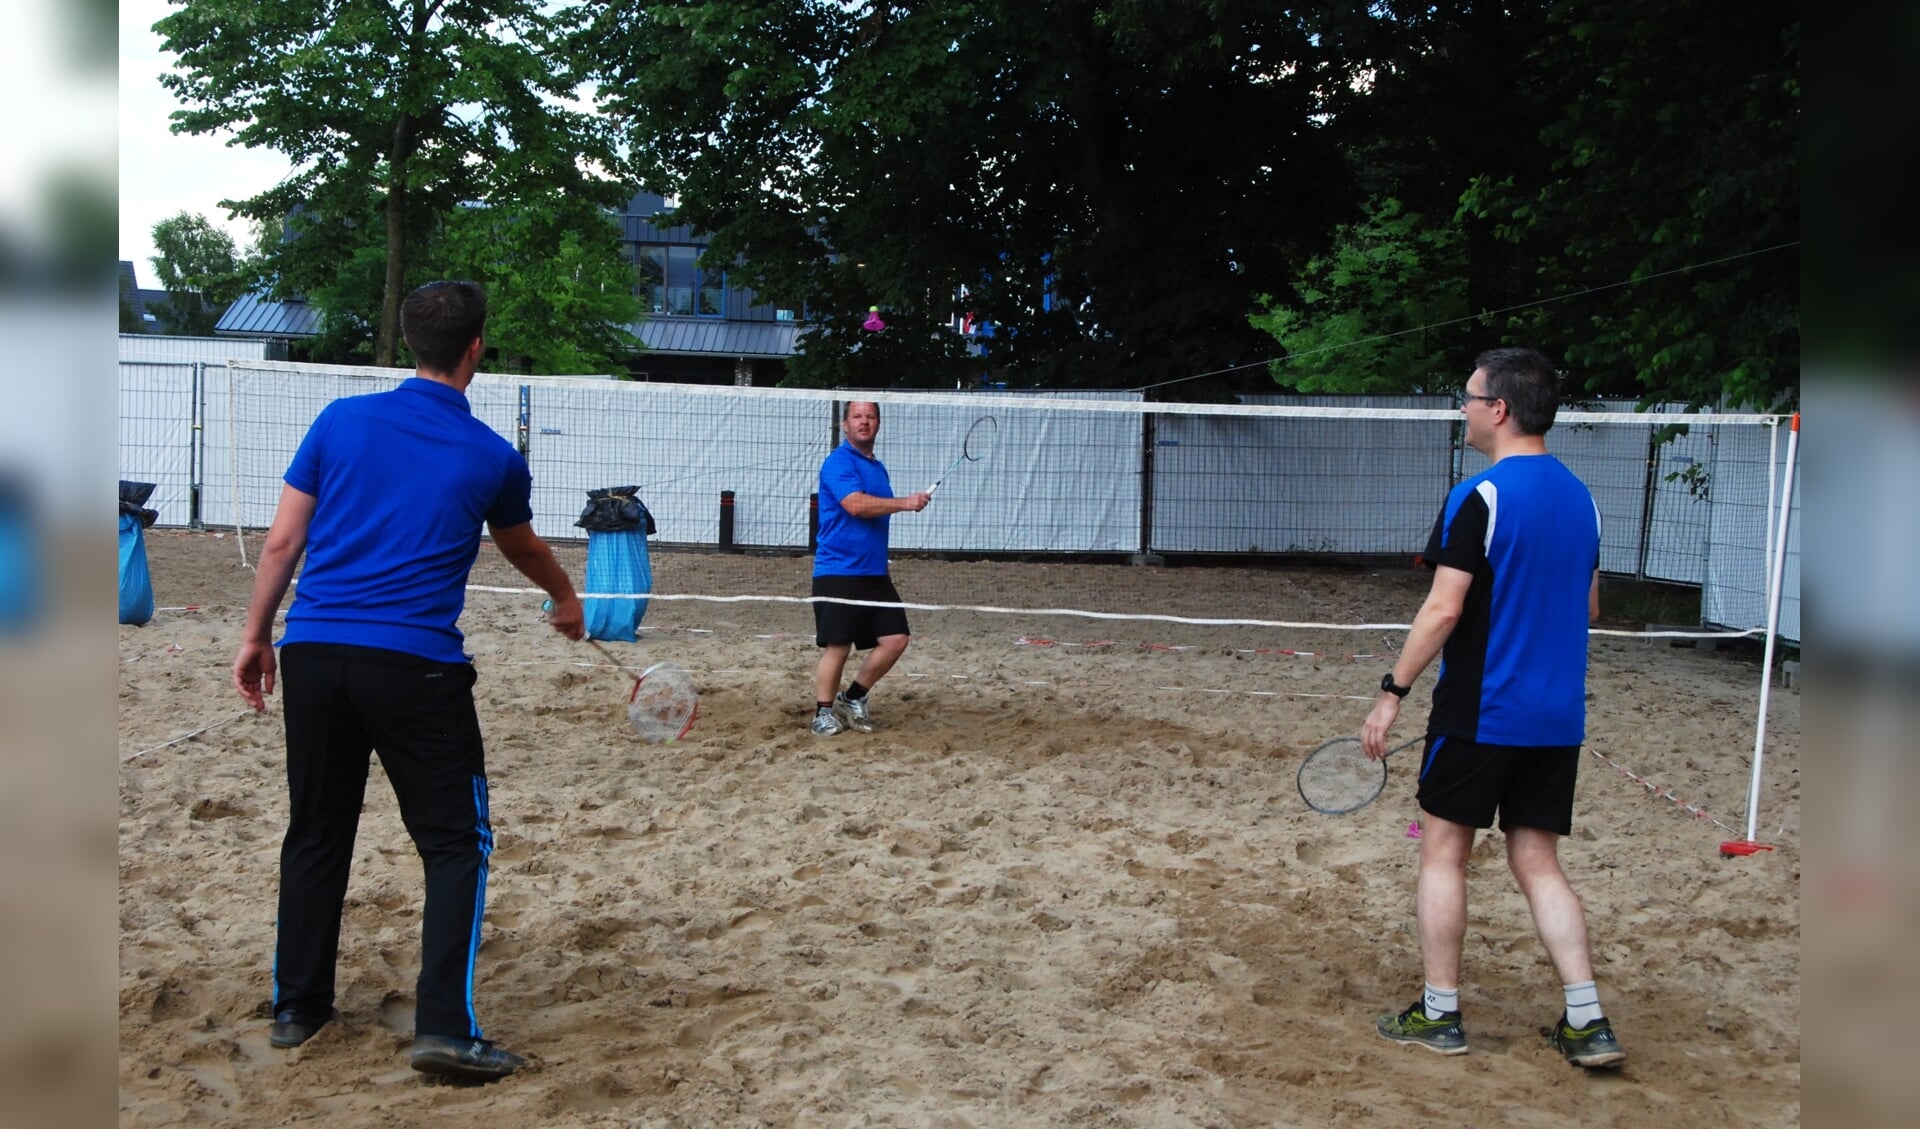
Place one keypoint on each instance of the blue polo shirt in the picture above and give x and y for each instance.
(1514, 670)
(848, 545)
(404, 480)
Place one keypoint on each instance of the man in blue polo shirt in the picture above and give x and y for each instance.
(1516, 559)
(850, 563)
(386, 497)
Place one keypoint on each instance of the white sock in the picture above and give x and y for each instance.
(1437, 1001)
(1583, 1004)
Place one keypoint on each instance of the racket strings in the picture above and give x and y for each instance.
(664, 703)
(1338, 777)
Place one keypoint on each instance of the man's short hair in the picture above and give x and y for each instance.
(439, 320)
(847, 409)
(1528, 382)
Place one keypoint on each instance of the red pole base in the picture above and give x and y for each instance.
(1742, 848)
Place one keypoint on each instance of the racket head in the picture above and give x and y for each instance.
(1338, 777)
(981, 439)
(664, 703)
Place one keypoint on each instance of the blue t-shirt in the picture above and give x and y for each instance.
(404, 481)
(848, 545)
(1514, 670)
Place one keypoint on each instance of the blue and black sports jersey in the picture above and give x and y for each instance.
(403, 481)
(848, 545)
(1514, 670)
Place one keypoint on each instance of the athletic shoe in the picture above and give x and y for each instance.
(826, 724)
(290, 1029)
(1592, 1046)
(854, 712)
(1442, 1036)
(463, 1060)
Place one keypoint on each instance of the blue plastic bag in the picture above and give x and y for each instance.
(618, 563)
(136, 583)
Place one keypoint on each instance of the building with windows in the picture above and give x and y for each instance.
(697, 329)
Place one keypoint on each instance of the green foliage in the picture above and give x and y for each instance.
(1671, 150)
(394, 113)
(1087, 171)
(1591, 175)
(1363, 306)
(200, 271)
(559, 293)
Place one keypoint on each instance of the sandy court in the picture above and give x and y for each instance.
(1067, 882)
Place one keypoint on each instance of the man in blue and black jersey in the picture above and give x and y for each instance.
(1516, 557)
(850, 563)
(386, 498)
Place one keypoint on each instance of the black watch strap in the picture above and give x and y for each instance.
(1387, 684)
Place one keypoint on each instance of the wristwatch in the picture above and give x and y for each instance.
(1386, 683)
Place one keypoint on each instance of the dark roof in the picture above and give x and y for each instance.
(701, 337)
(253, 314)
(143, 303)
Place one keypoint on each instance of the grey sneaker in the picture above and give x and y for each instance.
(1442, 1036)
(826, 724)
(854, 712)
(1592, 1046)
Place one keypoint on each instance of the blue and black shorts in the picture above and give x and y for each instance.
(1527, 785)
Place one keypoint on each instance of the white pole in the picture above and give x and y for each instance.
(1773, 487)
(1774, 593)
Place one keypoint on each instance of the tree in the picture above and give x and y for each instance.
(1673, 194)
(1085, 170)
(1380, 312)
(394, 113)
(200, 271)
(1614, 182)
(560, 294)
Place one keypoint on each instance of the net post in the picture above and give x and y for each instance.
(1146, 486)
(726, 522)
(813, 522)
(1775, 585)
(1650, 490)
(197, 449)
(523, 424)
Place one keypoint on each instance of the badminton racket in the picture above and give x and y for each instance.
(979, 443)
(1339, 777)
(664, 702)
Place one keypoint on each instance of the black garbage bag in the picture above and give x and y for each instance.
(616, 509)
(133, 500)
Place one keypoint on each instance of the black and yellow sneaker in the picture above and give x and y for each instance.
(1592, 1046)
(1441, 1036)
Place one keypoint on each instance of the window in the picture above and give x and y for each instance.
(671, 282)
(653, 278)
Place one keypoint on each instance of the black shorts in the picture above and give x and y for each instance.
(862, 626)
(1530, 786)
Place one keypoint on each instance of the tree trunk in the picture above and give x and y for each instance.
(386, 346)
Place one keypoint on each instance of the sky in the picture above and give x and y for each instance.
(164, 173)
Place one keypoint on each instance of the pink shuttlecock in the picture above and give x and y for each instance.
(873, 324)
(1413, 830)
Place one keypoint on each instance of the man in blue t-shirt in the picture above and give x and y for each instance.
(850, 563)
(386, 498)
(1516, 560)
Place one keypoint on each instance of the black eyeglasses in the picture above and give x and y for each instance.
(1464, 397)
